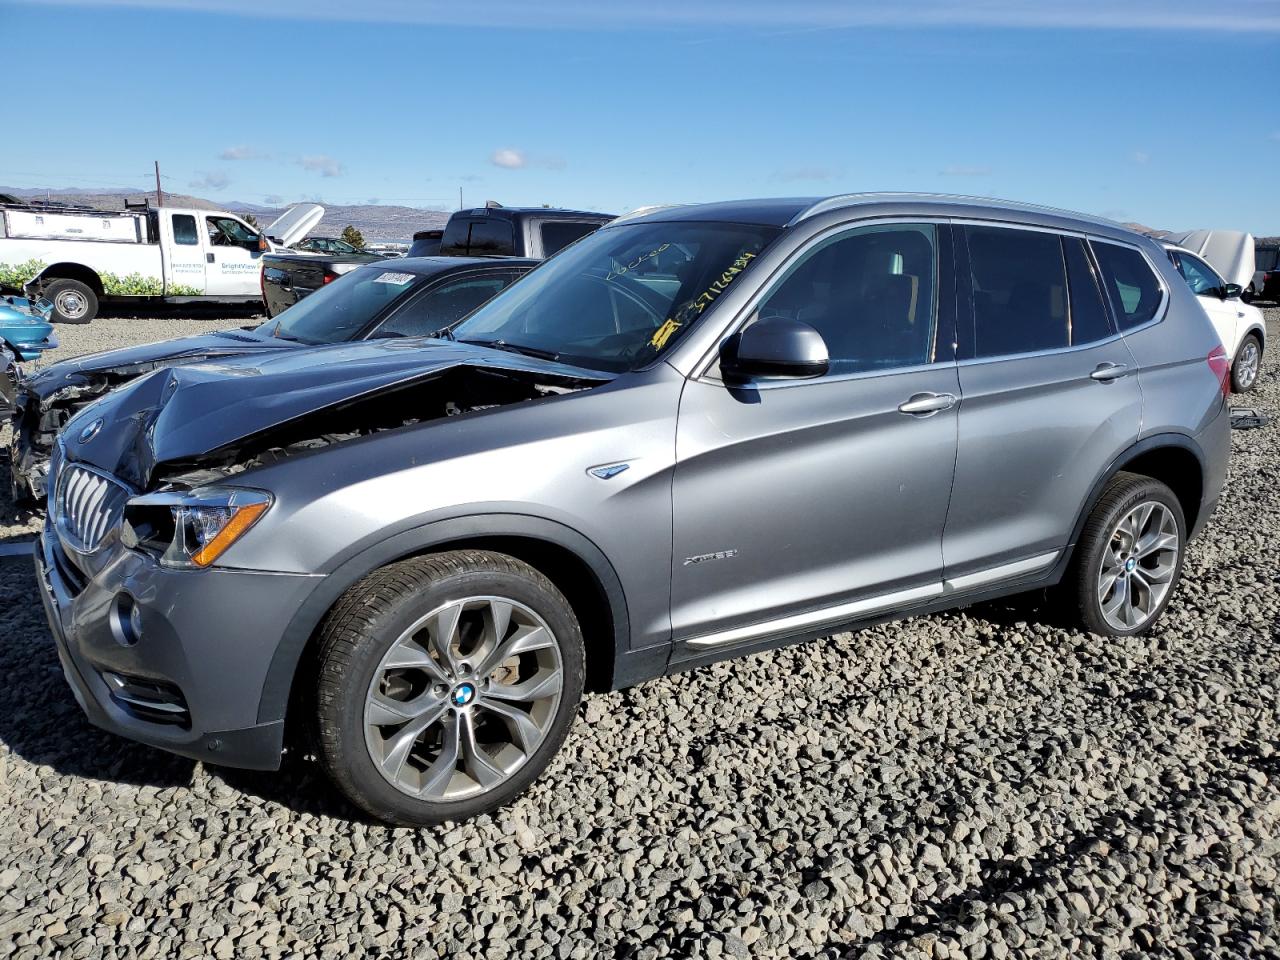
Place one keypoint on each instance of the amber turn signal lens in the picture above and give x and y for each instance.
(244, 518)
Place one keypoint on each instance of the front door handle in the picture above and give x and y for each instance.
(1109, 371)
(927, 404)
(208, 258)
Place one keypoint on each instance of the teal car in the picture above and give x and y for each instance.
(25, 328)
(25, 333)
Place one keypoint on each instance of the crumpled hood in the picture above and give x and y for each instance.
(183, 412)
(136, 361)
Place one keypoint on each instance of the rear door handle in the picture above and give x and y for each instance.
(208, 258)
(1109, 371)
(927, 404)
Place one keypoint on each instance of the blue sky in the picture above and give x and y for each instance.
(1161, 111)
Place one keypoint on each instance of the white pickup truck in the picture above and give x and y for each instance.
(78, 256)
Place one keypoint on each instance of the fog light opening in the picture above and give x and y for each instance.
(126, 620)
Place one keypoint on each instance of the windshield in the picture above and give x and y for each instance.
(617, 299)
(341, 309)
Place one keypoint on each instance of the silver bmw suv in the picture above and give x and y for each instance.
(700, 432)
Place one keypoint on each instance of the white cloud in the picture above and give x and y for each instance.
(273, 199)
(211, 180)
(322, 164)
(241, 152)
(508, 158)
(1226, 16)
(960, 170)
(511, 159)
(1141, 157)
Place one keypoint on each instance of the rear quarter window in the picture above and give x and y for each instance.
(1132, 286)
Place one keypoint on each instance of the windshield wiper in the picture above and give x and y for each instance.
(279, 333)
(515, 348)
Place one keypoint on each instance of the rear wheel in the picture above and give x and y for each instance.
(73, 301)
(1129, 557)
(446, 685)
(1246, 365)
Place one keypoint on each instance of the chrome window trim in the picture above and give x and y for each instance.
(1054, 351)
(712, 354)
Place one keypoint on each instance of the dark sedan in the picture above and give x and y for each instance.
(400, 298)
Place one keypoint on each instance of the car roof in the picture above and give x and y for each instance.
(544, 213)
(433, 266)
(785, 211)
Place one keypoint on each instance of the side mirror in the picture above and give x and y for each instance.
(1231, 291)
(774, 347)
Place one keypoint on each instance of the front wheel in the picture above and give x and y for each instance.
(1129, 557)
(446, 685)
(1247, 363)
(73, 301)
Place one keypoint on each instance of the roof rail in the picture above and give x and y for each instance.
(840, 201)
(643, 211)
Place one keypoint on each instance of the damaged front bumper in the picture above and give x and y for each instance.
(171, 658)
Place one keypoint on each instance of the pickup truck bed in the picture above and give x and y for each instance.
(288, 277)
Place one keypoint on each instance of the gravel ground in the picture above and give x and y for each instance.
(975, 784)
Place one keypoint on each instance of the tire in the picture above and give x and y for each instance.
(396, 709)
(73, 301)
(1246, 365)
(1107, 539)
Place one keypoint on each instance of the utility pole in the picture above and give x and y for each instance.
(459, 198)
(159, 192)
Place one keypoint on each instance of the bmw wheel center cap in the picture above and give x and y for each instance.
(1130, 564)
(463, 694)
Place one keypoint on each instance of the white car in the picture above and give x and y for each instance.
(1240, 325)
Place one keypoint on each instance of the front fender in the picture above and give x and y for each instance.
(421, 539)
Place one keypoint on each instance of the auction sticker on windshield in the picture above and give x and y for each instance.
(399, 279)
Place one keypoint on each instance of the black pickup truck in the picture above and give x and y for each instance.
(488, 231)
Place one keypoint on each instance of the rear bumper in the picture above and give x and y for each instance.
(206, 643)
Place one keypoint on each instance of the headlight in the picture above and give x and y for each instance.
(192, 528)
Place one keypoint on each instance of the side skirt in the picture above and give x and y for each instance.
(961, 592)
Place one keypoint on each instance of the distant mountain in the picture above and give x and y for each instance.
(376, 222)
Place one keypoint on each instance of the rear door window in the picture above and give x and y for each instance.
(1087, 313)
(558, 234)
(1019, 285)
(443, 306)
(1134, 290)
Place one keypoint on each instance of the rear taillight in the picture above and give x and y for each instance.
(1220, 364)
(329, 276)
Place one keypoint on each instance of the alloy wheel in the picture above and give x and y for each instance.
(463, 698)
(1247, 365)
(1138, 566)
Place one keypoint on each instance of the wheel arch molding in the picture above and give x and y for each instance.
(1141, 457)
(528, 538)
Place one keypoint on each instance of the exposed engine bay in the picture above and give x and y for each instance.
(455, 392)
(42, 409)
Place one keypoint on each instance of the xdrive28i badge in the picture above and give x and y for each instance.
(91, 431)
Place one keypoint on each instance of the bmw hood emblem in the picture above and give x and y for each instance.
(91, 431)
